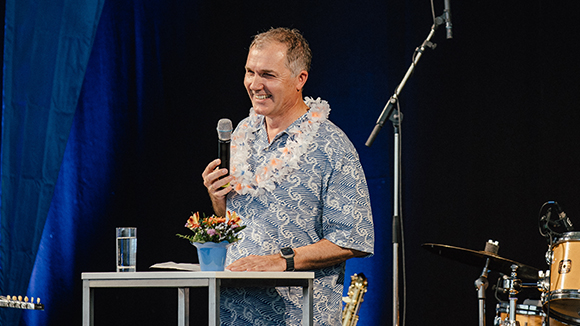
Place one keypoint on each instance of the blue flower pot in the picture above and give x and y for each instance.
(211, 255)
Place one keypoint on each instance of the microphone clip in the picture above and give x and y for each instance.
(553, 220)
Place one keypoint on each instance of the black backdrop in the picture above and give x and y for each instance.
(489, 132)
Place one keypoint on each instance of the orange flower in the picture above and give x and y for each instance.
(215, 220)
(233, 218)
(193, 221)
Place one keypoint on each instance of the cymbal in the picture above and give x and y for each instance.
(477, 259)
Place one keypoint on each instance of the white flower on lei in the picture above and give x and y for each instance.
(276, 165)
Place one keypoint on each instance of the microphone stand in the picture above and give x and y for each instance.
(388, 113)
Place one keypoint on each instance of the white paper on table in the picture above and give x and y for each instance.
(178, 266)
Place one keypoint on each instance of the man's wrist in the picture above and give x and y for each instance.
(219, 207)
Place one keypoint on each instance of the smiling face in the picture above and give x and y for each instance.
(274, 92)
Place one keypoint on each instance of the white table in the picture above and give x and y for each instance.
(185, 280)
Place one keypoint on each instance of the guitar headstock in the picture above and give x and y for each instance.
(20, 303)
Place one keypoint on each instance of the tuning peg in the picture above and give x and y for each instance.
(26, 299)
(37, 300)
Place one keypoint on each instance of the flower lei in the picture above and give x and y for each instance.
(277, 164)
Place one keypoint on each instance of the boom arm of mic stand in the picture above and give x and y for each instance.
(386, 114)
(390, 106)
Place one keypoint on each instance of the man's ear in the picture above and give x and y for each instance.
(301, 80)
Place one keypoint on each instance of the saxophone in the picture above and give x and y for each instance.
(356, 292)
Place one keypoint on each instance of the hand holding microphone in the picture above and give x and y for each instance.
(215, 176)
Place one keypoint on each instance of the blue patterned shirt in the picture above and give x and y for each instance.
(325, 198)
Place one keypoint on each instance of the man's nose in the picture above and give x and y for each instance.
(256, 83)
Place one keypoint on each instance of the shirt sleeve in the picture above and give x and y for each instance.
(346, 213)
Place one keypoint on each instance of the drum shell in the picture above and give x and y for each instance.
(526, 315)
(564, 274)
(529, 315)
(563, 299)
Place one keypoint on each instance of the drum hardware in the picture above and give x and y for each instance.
(492, 262)
(553, 220)
(481, 285)
(559, 286)
(511, 313)
(550, 227)
(518, 284)
(549, 255)
(506, 282)
(543, 283)
(514, 288)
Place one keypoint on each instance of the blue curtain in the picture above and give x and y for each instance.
(47, 46)
(96, 177)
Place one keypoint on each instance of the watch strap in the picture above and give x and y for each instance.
(290, 264)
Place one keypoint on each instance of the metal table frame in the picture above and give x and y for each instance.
(185, 280)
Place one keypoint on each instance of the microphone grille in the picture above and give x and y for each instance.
(224, 129)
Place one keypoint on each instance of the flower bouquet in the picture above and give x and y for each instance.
(211, 236)
(213, 228)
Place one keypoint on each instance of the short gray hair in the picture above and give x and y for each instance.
(298, 55)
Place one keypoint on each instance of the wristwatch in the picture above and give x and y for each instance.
(288, 254)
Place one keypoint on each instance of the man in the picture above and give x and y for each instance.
(298, 185)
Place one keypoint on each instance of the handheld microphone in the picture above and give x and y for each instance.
(447, 14)
(224, 130)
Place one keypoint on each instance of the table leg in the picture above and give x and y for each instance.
(183, 306)
(307, 300)
(88, 307)
(214, 301)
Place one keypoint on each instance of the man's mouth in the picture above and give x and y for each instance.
(262, 97)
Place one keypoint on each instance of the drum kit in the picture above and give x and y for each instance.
(559, 286)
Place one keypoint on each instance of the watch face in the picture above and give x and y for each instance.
(287, 251)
